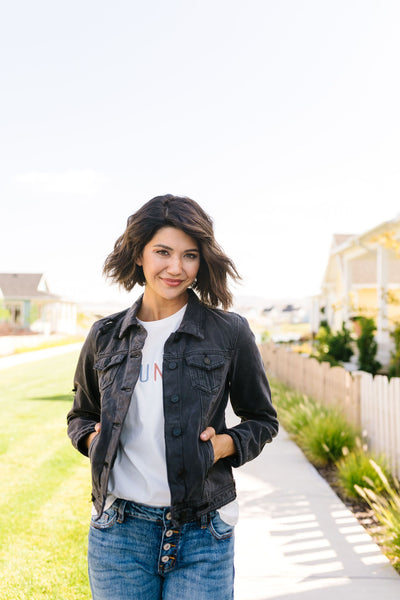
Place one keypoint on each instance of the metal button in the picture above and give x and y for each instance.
(164, 559)
(167, 547)
(176, 432)
(168, 516)
(207, 361)
(174, 398)
(169, 533)
(172, 364)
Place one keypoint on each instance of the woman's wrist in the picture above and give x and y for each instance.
(90, 438)
(223, 446)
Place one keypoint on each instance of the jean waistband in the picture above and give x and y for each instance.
(128, 508)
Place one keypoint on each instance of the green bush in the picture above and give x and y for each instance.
(307, 411)
(356, 469)
(333, 347)
(326, 439)
(295, 410)
(367, 346)
(284, 397)
(340, 345)
(387, 510)
(394, 366)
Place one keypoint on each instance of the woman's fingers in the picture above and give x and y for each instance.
(207, 434)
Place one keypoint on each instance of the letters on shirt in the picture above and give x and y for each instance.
(145, 371)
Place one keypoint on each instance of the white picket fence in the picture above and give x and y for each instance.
(380, 416)
(370, 403)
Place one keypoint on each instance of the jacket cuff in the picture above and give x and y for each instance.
(81, 442)
(237, 459)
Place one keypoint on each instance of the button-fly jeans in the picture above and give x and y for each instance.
(135, 553)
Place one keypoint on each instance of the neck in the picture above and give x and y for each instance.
(154, 310)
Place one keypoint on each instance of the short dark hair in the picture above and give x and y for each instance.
(187, 215)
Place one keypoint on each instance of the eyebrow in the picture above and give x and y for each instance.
(169, 248)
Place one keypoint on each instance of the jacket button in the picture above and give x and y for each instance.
(176, 432)
(207, 361)
(172, 364)
(174, 398)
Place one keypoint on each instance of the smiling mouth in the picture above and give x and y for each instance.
(172, 282)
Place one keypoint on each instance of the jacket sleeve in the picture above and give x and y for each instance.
(85, 412)
(250, 396)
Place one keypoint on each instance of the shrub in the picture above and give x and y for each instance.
(356, 469)
(340, 345)
(327, 437)
(367, 346)
(387, 510)
(394, 366)
(322, 337)
(307, 411)
(333, 347)
(284, 397)
(295, 410)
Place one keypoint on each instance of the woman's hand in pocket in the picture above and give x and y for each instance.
(92, 435)
(223, 444)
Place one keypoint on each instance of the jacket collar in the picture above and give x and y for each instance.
(192, 322)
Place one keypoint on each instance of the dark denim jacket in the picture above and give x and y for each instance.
(210, 358)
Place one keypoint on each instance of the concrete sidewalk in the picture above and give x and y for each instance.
(296, 539)
(34, 355)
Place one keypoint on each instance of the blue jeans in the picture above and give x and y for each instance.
(136, 554)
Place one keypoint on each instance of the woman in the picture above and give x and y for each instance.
(152, 384)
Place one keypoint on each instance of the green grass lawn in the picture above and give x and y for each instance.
(45, 486)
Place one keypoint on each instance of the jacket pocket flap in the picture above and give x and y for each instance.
(105, 362)
(205, 361)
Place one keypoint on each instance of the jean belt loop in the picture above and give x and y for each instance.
(121, 511)
(204, 520)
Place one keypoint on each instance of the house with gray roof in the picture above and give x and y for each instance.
(31, 306)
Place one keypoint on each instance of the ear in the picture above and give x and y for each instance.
(139, 261)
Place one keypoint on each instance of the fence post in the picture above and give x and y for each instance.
(355, 397)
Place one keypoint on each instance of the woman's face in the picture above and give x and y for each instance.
(170, 263)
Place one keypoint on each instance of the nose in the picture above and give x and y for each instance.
(175, 265)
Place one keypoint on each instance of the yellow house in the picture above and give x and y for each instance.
(362, 277)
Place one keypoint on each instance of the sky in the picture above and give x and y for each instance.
(280, 117)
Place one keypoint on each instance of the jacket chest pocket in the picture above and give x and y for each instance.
(206, 371)
(107, 367)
